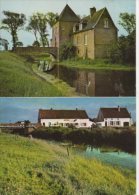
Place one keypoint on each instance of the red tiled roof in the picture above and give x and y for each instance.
(114, 113)
(62, 114)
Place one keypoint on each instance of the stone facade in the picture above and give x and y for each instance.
(92, 35)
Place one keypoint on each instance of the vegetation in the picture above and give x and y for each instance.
(124, 51)
(12, 23)
(67, 51)
(34, 167)
(98, 64)
(122, 138)
(38, 24)
(18, 79)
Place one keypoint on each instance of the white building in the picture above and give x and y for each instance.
(114, 117)
(64, 118)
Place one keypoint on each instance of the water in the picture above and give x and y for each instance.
(98, 83)
(118, 158)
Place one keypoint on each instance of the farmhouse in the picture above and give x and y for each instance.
(114, 117)
(92, 35)
(64, 118)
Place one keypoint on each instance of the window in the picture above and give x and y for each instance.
(111, 123)
(85, 39)
(106, 23)
(83, 124)
(117, 123)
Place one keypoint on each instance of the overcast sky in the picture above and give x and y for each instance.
(81, 7)
(14, 109)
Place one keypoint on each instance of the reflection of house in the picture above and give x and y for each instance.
(114, 117)
(92, 35)
(3, 44)
(64, 118)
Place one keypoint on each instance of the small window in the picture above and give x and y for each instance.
(106, 23)
(117, 123)
(111, 123)
(85, 39)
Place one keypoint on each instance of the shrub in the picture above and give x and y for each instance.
(67, 50)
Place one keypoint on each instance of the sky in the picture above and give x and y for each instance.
(15, 109)
(80, 7)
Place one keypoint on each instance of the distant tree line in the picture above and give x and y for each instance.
(37, 24)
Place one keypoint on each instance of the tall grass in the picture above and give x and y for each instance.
(18, 79)
(97, 64)
(34, 167)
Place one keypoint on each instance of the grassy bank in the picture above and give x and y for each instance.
(98, 64)
(124, 139)
(18, 79)
(34, 167)
(63, 87)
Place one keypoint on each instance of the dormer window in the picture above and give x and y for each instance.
(80, 26)
(76, 28)
(106, 23)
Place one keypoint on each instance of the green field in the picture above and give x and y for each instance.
(98, 64)
(35, 167)
(18, 79)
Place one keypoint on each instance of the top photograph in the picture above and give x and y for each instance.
(67, 48)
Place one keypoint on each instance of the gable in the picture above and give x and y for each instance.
(115, 112)
(68, 15)
(104, 15)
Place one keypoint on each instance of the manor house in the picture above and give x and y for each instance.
(92, 35)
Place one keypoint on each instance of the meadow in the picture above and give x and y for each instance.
(36, 167)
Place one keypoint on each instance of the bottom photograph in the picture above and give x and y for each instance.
(68, 146)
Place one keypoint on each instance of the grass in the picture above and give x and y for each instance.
(18, 79)
(63, 87)
(98, 64)
(35, 167)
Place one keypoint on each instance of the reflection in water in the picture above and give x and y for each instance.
(98, 83)
(118, 158)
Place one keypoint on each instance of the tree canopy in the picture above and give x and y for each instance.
(13, 22)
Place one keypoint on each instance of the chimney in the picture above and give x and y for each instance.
(92, 11)
(118, 108)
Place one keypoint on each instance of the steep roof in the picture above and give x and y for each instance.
(68, 15)
(115, 112)
(62, 114)
(93, 21)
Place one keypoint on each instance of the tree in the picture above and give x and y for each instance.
(124, 51)
(52, 18)
(13, 23)
(128, 22)
(67, 50)
(33, 26)
(41, 22)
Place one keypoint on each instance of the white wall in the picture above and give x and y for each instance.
(115, 120)
(79, 123)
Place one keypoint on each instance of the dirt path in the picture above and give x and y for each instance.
(62, 86)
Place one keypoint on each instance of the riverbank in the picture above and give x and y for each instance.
(63, 87)
(31, 166)
(122, 139)
(18, 79)
(98, 64)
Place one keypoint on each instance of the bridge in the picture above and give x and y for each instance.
(29, 50)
